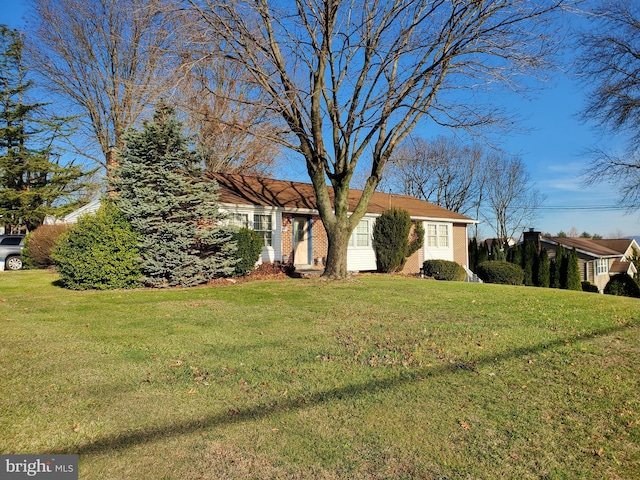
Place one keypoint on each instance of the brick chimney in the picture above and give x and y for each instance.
(532, 237)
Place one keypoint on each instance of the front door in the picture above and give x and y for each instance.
(301, 241)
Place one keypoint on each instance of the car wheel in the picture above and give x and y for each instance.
(13, 263)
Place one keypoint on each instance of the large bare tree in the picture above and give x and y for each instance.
(442, 171)
(106, 61)
(511, 200)
(232, 131)
(352, 79)
(610, 66)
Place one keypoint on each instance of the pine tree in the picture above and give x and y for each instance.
(528, 262)
(556, 267)
(161, 189)
(33, 181)
(573, 271)
(473, 253)
(483, 253)
(543, 270)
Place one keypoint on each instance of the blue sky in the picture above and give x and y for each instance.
(552, 143)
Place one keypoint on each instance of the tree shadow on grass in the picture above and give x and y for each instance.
(122, 441)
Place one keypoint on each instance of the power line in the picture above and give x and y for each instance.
(593, 208)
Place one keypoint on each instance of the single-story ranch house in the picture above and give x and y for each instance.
(285, 214)
(598, 260)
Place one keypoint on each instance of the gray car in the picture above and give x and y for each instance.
(11, 250)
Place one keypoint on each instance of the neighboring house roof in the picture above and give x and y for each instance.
(619, 266)
(585, 245)
(91, 207)
(620, 245)
(248, 190)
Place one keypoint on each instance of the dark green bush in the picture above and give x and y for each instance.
(623, 285)
(249, 247)
(391, 239)
(39, 244)
(498, 271)
(100, 252)
(589, 287)
(444, 270)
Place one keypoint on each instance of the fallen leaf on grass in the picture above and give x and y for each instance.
(464, 425)
(76, 428)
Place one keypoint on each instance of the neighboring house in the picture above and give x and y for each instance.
(599, 260)
(285, 214)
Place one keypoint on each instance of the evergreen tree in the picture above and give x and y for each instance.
(161, 189)
(391, 239)
(556, 267)
(528, 262)
(543, 269)
(473, 253)
(483, 253)
(573, 271)
(34, 182)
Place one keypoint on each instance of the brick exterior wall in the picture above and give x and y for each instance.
(319, 241)
(415, 261)
(287, 236)
(460, 247)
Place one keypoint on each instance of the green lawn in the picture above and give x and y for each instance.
(380, 377)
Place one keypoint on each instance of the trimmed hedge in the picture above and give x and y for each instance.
(444, 270)
(623, 285)
(249, 247)
(498, 271)
(589, 287)
(100, 252)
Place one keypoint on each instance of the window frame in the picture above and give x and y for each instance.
(265, 233)
(438, 235)
(602, 266)
(357, 235)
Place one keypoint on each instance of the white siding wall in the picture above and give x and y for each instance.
(362, 258)
(269, 253)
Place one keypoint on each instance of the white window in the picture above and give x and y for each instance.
(437, 235)
(602, 266)
(240, 220)
(443, 235)
(432, 235)
(361, 236)
(263, 224)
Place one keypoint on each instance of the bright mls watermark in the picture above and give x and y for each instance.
(50, 467)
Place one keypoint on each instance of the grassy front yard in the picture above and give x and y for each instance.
(380, 377)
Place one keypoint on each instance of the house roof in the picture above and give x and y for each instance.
(619, 266)
(249, 190)
(620, 245)
(586, 245)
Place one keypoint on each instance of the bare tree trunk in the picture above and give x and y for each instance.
(336, 266)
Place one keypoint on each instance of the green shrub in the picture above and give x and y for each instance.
(249, 247)
(623, 285)
(498, 271)
(589, 287)
(391, 239)
(100, 252)
(39, 244)
(444, 270)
